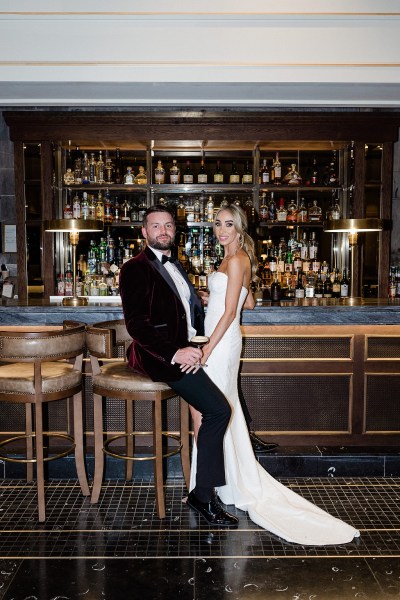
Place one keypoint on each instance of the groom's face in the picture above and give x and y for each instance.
(159, 230)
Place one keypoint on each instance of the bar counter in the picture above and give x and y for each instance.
(310, 311)
(313, 372)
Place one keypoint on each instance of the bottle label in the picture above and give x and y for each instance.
(299, 293)
(344, 290)
(310, 292)
(187, 179)
(174, 178)
(234, 178)
(265, 177)
(247, 178)
(278, 172)
(159, 177)
(218, 178)
(202, 178)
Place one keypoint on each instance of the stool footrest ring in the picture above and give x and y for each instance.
(34, 460)
(114, 454)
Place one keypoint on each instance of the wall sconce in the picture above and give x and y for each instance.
(353, 227)
(73, 227)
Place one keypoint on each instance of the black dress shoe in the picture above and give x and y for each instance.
(259, 446)
(212, 511)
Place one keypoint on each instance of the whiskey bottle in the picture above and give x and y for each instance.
(292, 177)
(276, 291)
(202, 174)
(264, 173)
(180, 211)
(218, 175)
(315, 212)
(92, 169)
(282, 212)
(108, 169)
(118, 169)
(108, 209)
(292, 211)
(277, 170)
(188, 174)
(234, 176)
(299, 289)
(263, 209)
(100, 168)
(159, 173)
(336, 285)
(85, 169)
(100, 207)
(174, 173)
(247, 176)
(302, 213)
(210, 209)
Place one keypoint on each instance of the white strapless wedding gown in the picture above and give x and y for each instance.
(249, 487)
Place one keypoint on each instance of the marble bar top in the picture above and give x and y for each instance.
(348, 311)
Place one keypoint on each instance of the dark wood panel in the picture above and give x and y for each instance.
(22, 268)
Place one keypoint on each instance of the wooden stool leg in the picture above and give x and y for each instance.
(185, 451)
(130, 442)
(39, 460)
(29, 442)
(98, 447)
(78, 436)
(158, 462)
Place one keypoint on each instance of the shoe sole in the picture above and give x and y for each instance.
(227, 526)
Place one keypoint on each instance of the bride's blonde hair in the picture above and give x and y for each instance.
(245, 240)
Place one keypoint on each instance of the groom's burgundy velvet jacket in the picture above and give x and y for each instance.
(155, 317)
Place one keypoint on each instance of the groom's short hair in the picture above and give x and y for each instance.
(158, 208)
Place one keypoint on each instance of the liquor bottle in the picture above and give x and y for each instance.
(310, 286)
(159, 173)
(100, 207)
(392, 287)
(180, 210)
(289, 262)
(60, 285)
(281, 214)
(92, 168)
(292, 177)
(218, 175)
(302, 212)
(272, 210)
(224, 202)
(319, 286)
(196, 210)
(202, 174)
(272, 261)
(128, 177)
(76, 207)
(250, 211)
(85, 207)
(188, 174)
(108, 169)
(117, 210)
(333, 178)
(276, 292)
(100, 168)
(336, 212)
(125, 211)
(81, 265)
(118, 168)
(315, 212)
(263, 212)
(304, 248)
(67, 213)
(92, 206)
(247, 176)
(299, 289)
(141, 177)
(264, 173)
(234, 177)
(85, 169)
(297, 260)
(344, 285)
(313, 173)
(327, 291)
(78, 166)
(108, 209)
(277, 170)
(142, 209)
(174, 173)
(336, 285)
(313, 247)
(292, 211)
(210, 209)
(134, 212)
(68, 280)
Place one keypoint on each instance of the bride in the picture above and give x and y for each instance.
(249, 487)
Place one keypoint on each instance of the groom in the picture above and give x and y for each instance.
(162, 312)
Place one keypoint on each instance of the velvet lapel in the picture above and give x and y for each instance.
(159, 267)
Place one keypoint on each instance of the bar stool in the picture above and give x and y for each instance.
(40, 371)
(117, 380)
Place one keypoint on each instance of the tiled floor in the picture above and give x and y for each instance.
(118, 549)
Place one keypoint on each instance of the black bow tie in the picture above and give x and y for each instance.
(165, 259)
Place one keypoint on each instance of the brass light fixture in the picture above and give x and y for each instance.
(353, 227)
(73, 227)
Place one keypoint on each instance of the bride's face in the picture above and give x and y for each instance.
(225, 229)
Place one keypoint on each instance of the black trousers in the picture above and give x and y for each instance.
(200, 392)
